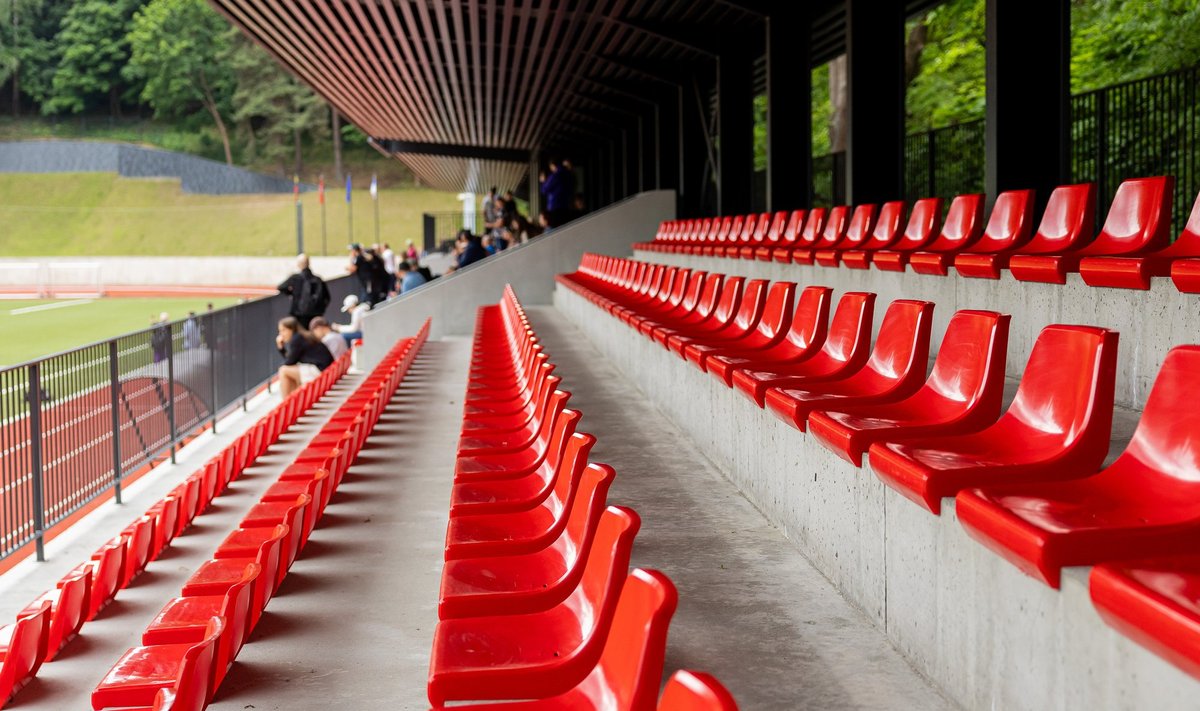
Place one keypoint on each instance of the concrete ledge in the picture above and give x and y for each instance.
(988, 635)
(1150, 323)
(452, 300)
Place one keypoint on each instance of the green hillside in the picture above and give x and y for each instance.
(100, 214)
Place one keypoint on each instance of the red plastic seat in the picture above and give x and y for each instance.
(858, 231)
(689, 313)
(22, 649)
(963, 227)
(787, 239)
(771, 328)
(141, 676)
(832, 233)
(520, 461)
(962, 395)
(806, 237)
(68, 607)
(1155, 602)
(539, 654)
(216, 576)
(844, 350)
(694, 691)
(895, 369)
(1135, 242)
(1147, 503)
(770, 227)
(745, 320)
(185, 620)
(1008, 229)
(107, 567)
(477, 535)
(1134, 271)
(921, 230)
(139, 547)
(802, 339)
(883, 235)
(721, 316)
(523, 493)
(1068, 224)
(1058, 426)
(245, 541)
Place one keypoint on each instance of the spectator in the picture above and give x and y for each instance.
(160, 337)
(310, 295)
(544, 223)
(304, 355)
(191, 332)
(410, 278)
(361, 271)
(495, 221)
(578, 206)
(490, 213)
(378, 280)
(334, 342)
(489, 244)
(389, 266)
(410, 252)
(554, 189)
(470, 250)
(353, 330)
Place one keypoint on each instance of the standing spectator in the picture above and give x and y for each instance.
(304, 356)
(310, 295)
(191, 332)
(410, 252)
(335, 343)
(377, 282)
(353, 330)
(490, 213)
(160, 337)
(554, 190)
(410, 278)
(358, 267)
(389, 266)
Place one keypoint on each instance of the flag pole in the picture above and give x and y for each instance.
(375, 199)
(349, 211)
(299, 215)
(321, 200)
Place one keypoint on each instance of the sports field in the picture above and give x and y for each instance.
(33, 328)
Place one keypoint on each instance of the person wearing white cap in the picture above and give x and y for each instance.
(352, 331)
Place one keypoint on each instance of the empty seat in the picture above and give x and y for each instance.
(780, 250)
(1177, 260)
(694, 691)
(895, 369)
(721, 316)
(139, 537)
(962, 228)
(539, 654)
(1068, 224)
(140, 678)
(963, 393)
(808, 235)
(568, 451)
(107, 567)
(767, 234)
(1135, 239)
(1008, 229)
(521, 455)
(883, 235)
(749, 309)
(22, 649)
(216, 576)
(1145, 504)
(1057, 426)
(68, 607)
(857, 233)
(832, 233)
(921, 230)
(771, 328)
(804, 336)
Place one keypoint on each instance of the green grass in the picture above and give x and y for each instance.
(26, 336)
(89, 214)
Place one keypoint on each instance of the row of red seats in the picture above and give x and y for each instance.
(56, 617)
(536, 602)
(190, 645)
(1028, 480)
(1133, 246)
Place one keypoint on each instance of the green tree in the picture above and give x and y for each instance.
(28, 53)
(177, 48)
(94, 48)
(1115, 40)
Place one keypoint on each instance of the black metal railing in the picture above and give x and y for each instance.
(72, 425)
(829, 179)
(944, 162)
(441, 227)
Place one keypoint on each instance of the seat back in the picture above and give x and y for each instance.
(139, 546)
(694, 691)
(268, 560)
(963, 225)
(569, 476)
(887, 226)
(1067, 387)
(560, 436)
(777, 312)
(710, 295)
(775, 231)
(631, 665)
(1068, 222)
(106, 574)
(1188, 244)
(902, 348)
(697, 282)
(69, 611)
(193, 687)
(859, 228)
(754, 299)
(731, 298)
(969, 368)
(835, 227)
(810, 323)
(795, 225)
(604, 571)
(1139, 219)
(1167, 438)
(922, 225)
(813, 227)
(26, 647)
(850, 327)
(1010, 224)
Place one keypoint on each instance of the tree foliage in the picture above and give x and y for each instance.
(95, 47)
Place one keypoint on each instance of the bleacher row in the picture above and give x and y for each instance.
(1133, 245)
(536, 603)
(1027, 481)
(56, 617)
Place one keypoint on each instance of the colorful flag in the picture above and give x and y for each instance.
(321, 190)
(296, 187)
(374, 187)
(347, 187)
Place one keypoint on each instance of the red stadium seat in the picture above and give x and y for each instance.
(22, 649)
(244, 542)
(529, 491)
(516, 461)
(139, 543)
(700, 311)
(693, 691)
(1008, 229)
(107, 567)
(1133, 272)
(68, 607)
(539, 654)
(1155, 602)
(1057, 426)
(895, 369)
(780, 251)
(1135, 235)
(806, 238)
(766, 236)
(832, 233)
(1068, 224)
(803, 338)
(844, 350)
(722, 315)
(962, 395)
(1145, 504)
(922, 228)
(857, 234)
(771, 328)
(751, 305)
(143, 673)
(216, 576)
(883, 235)
(963, 227)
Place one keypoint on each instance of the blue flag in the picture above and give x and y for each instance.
(347, 187)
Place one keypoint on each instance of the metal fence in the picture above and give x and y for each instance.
(829, 179)
(944, 162)
(72, 425)
(441, 227)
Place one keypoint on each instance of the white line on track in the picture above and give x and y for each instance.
(48, 307)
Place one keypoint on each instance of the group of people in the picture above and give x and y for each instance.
(382, 274)
(562, 203)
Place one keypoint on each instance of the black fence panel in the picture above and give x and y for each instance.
(442, 227)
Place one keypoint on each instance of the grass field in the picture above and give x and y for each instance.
(31, 329)
(89, 214)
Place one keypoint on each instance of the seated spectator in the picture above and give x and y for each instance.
(352, 331)
(335, 343)
(304, 355)
(470, 251)
(410, 278)
(489, 244)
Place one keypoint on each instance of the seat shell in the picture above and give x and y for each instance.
(1008, 229)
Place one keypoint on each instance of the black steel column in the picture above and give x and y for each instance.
(874, 101)
(1028, 96)
(789, 108)
(735, 100)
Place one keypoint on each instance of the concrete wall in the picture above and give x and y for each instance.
(168, 271)
(988, 635)
(453, 300)
(1150, 323)
(197, 175)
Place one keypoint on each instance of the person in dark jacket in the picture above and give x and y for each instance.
(309, 294)
(304, 355)
(470, 249)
